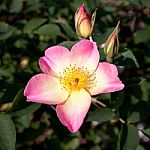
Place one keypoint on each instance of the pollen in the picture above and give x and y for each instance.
(74, 78)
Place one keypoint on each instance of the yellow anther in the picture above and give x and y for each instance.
(74, 78)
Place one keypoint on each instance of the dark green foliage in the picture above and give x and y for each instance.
(101, 115)
(129, 138)
(7, 133)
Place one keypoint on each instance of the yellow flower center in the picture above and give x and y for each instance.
(74, 78)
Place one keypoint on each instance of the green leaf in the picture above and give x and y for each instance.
(127, 59)
(22, 121)
(67, 44)
(52, 30)
(135, 2)
(142, 36)
(139, 112)
(91, 4)
(129, 138)
(6, 30)
(101, 115)
(140, 147)
(3, 6)
(69, 31)
(34, 6)
(110, 9)
(7, 133)
(33, 24)
(135, 81)
(16, 6)
(117, 99)
(28, 110)
(145, 2)
(20, 107)
(146, 132)
(9, 92)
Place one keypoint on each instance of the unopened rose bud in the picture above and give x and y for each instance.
(112, 44)
(84, 23)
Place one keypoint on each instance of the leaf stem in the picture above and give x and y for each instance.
(98, 102)
(121, 120)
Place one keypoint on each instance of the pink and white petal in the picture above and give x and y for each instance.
(73, 111)
(59, 58)
(44, 64)
(107, 79)
(85, 53)
(45, 89)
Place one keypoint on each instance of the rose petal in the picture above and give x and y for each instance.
(107, 79)
(44, 64)
(58, 57)
(85, 53)
(45, 89)
(74, 110)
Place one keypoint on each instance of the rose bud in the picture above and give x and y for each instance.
(112, 44)
(84, 22)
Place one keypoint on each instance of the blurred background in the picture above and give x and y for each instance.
(28, 27)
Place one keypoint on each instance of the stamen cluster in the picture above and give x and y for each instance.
(74, 78)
